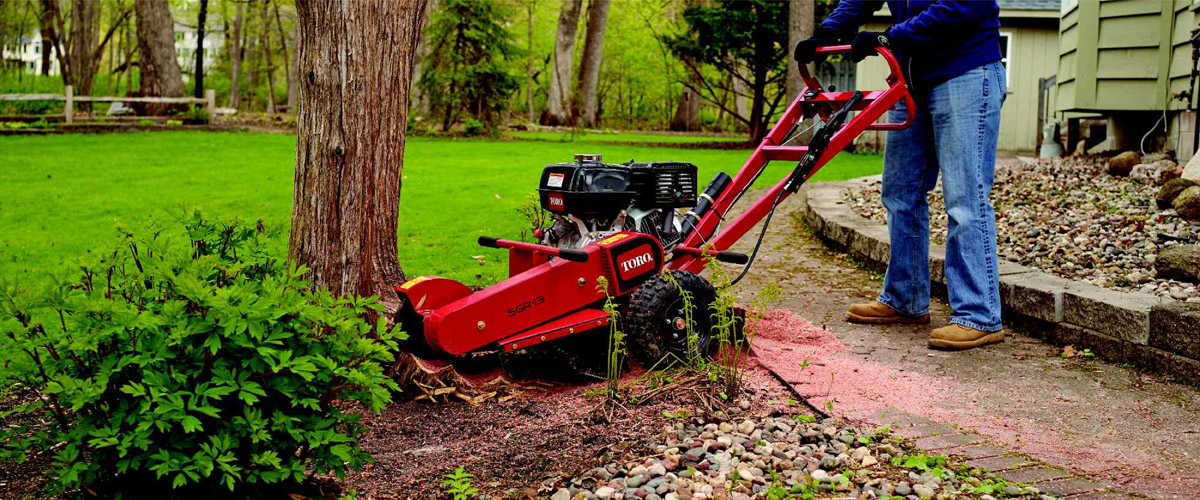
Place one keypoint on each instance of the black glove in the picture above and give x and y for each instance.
(865, 42)
(806, 50)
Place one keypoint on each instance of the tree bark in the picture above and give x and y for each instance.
(198, 75)
(265, 43)
(160, 73)
(589, 67)
(85, 34)
(46, 27)
(801, 19)
(356, 62)
(531, 6)
(560, 77)
(800, 27)
(288, 61)
(687, 111)
(235, 58)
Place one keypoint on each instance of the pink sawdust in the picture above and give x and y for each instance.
(822, 369)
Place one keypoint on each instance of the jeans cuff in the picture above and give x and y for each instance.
(977, 326)
(887, 302)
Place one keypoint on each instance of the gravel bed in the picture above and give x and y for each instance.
(1070, 218)
(783, 457)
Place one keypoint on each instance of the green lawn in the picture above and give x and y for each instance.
(621, 137)
(62, 195)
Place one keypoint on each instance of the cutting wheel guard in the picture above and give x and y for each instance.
(838, 132)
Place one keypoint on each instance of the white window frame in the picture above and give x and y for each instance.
(1007, 59)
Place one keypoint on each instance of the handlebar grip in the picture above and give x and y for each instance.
(733, 257)
(573, 255)
(489, 241)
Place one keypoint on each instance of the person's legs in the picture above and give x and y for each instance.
(910, 169)
(965, 113)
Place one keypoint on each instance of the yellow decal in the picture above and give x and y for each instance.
(614, 238)
(412, 282)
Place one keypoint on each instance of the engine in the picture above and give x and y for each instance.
(590, 199)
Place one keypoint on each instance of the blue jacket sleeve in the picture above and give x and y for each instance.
(849, 15)
(941, 22)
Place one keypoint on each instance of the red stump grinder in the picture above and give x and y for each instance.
(621, 222)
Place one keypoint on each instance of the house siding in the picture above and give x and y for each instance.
(1124, 55)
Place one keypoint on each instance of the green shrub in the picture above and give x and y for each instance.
(174, 123)
(195, 115)
(473, 128)
(190, 363)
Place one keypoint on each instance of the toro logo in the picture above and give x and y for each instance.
(635, 262)
(556, 201)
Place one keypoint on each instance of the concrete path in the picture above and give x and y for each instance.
(1078, 426)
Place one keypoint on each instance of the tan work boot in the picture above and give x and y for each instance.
(956, 337)
(876, 313)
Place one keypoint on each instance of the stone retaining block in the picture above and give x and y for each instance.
(1157, 334)
(1119, 314)
(1175, 327)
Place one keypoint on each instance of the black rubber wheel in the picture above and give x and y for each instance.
(581, 356)
(654, 319)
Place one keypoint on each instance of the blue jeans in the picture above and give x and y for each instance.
(955, 131)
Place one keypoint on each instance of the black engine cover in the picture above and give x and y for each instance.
(595, 190)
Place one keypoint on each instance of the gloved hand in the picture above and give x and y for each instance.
(806, 50)
(865, 42)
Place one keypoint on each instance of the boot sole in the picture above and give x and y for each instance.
(961, 345)
(886, 320)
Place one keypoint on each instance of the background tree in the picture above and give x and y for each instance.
(198, 73)
(589, 66)
(557, 112)
(160, 75)
(466, 71)
(80, 52)
(356, 62)
(729, 35)
(801, 22)
(235, 56)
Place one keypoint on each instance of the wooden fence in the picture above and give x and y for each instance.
(209, 101)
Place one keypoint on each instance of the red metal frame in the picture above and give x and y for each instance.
(813, 101)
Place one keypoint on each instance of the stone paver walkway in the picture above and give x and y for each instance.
(1081, 426)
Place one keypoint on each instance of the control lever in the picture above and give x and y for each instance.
(820, 140)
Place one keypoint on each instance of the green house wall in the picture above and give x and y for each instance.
(1124, 55)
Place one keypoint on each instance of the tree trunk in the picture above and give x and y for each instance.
(356, 60)
(800, 27)
(235, 58)
(288, 61)
(531, 8)
(156, 43)
(198, 75)
(265, 42)
(687, 112)
(589, 67)
(46, 30)
(801, 16)
(560, 77)
(419, 99)
(85, 34)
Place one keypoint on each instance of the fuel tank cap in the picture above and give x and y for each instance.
(582, 157)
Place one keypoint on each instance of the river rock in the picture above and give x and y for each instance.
(1123, 163)
(1180, 263)
(1187, 204)
(1169, 191)
(1153, 174)
(1192, 171)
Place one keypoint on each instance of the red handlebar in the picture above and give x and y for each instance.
(897, 75)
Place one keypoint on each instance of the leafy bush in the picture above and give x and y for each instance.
(195, 115)
(473, 128)
(193, 360)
